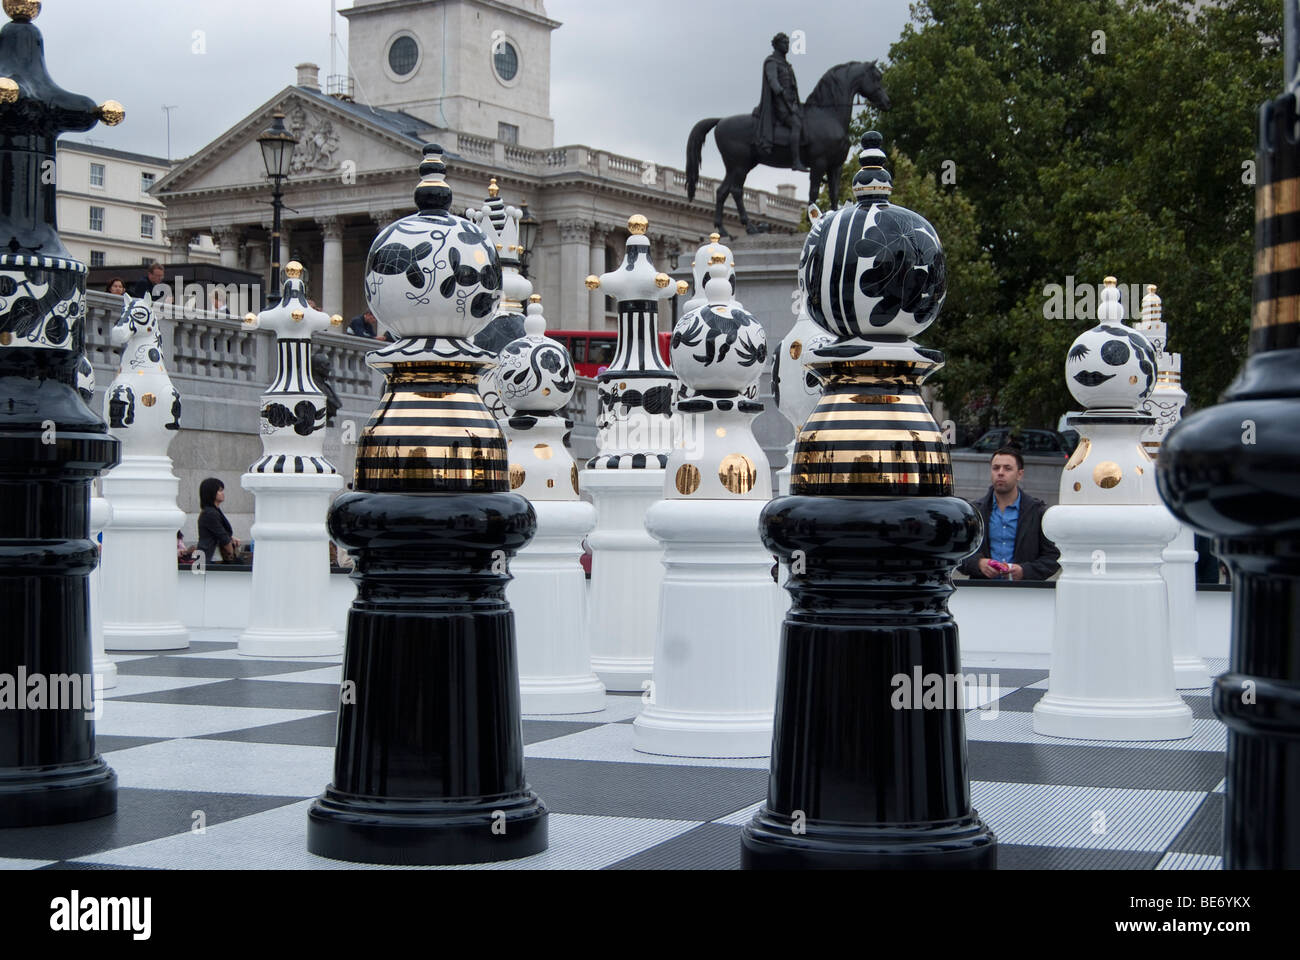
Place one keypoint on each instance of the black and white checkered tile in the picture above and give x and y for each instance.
(218, 757)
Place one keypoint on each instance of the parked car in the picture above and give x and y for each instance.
(1043, 443)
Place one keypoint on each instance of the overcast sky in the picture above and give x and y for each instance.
(693, 58)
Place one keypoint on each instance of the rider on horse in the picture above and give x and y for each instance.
(779, 105)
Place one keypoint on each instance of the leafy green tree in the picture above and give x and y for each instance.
(1080, 140)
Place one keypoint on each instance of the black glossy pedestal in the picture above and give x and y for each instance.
(49, 770)
(857, 783)
(429, 762)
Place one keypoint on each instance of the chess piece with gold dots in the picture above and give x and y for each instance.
(716, 647)
(292, 483)
(1112, 673)
(549, 591)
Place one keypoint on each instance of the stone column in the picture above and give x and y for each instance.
(331, 296)
(575, 257)
(230, 240)
(179, 246)
(596, 306)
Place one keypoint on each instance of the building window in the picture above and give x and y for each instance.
(147, 181)
(403, 55)
(505, 60)
(97, 258)
(97, 219)
(96, 174)
(146, 225)
(507, 132)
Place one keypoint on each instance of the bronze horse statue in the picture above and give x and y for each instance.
(827, 113)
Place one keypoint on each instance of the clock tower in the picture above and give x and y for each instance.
(476, 66)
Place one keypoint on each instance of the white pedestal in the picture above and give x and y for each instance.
(783, 475)
(1179, 572)
(549, 597)
(714, 688)
(138, 586)
(626, 571)
(105, 669)
(287, 612)
(1112, 675)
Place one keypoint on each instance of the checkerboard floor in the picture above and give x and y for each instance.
(218, 757)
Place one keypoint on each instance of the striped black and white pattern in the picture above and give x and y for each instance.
(629, 461)
(638, 341)
(43, 263)
(284, 463)
(293, 374)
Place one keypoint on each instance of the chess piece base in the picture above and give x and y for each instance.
(59, 793)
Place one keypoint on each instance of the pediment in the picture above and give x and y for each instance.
(333, 141)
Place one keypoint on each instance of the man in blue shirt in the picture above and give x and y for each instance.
(1014, 547)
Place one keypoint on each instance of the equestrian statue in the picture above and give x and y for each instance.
(811, 136)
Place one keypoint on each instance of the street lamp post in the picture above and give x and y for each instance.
(277, 145)
(529, 229)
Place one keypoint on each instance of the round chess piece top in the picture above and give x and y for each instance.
(293, 318)
(433, 274)
(873, 269)
(1110, 366)
(535, 372)
(719, 345)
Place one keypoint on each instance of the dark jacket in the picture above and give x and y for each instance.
(214, 531)
(358, 328)
(141, 288)
(1036, 554)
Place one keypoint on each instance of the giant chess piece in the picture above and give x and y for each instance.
(549, 591)
(634, 437)
(872, 532)
(719, 612)
(1165, 403)
(292, 484)
(795, 387)
(1112, 673)
(51, 446)
(140, 588)
(429, 762)
(101, 513)
(507, 323)
(1230, 472)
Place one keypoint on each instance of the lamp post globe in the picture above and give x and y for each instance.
(277, 145)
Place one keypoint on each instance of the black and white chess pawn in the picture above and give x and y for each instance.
(139, 585)
(292, 483)
(548, 594)
(715, 657)
(429, 764)
(635, 430)
(1165, 403)
(1230, 472)
(52, 445)
(1112, 674)
(871, 535)
(500, 224)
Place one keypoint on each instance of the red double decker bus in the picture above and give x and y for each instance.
(592, 350)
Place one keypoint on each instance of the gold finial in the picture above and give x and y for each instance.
(22, 11)
(1110, 281)
(1151, 288)
(717, 258)
(535, 298)
(336, 320)
(250, 318)
(662, 280)
(593, 282)
(714, 237)
(297, 315)
(637, 224)
(111, 112)
(682, 287)
(493, 189)
(8, 90)
(293, 270)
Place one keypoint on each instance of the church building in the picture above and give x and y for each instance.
(474, 76)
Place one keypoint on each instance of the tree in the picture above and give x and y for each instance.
(1086, 139)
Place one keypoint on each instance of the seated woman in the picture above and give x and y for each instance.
(215, 533)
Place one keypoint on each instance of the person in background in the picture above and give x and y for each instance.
(367, 326)
(215, 533)
(117, 286)
(1014, 547)
(152, 278)
(183, 553)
